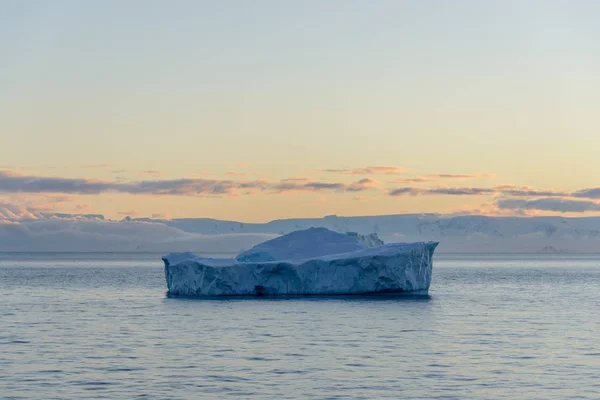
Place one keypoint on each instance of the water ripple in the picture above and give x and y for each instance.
(492, 329)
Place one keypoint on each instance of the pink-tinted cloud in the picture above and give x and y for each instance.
(506, 190)
(16, 212)
(460, 176)
(129, 213)
(559, 205)
(363, 184)
(531, 192)
(243, 165)
(490, 210)
(287, 186)
(58, 199)
(412, 180)
(16, 183)
(83, 208)
(10, 173)
(37, 206)
(364, 198)
(436, 177)
(161, 215)
(296, 180)
(506, 187)
(460, 191)
(105, 165)
(591, 193)
(369, 170)
(235, 173)
(153, 172)
(41, 167)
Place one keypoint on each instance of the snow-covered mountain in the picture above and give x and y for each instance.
(458, 234)
(471, 234)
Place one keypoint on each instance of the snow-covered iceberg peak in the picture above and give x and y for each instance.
(304, 244)
(308, 262)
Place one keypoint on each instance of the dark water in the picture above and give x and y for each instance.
(495, 327)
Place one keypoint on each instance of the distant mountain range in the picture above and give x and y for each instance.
(471, 234)
(456, 234)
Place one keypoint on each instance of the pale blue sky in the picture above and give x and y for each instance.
(457, 87)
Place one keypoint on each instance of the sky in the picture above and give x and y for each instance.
(260, 110)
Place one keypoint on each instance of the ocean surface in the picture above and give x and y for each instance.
(494, 327)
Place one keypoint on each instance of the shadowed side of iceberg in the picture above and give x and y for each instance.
(403, 268)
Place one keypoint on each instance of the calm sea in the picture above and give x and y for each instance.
(495, 327)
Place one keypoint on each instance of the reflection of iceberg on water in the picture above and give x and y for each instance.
(315, 261)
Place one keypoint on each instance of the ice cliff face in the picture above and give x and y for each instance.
(309, 262)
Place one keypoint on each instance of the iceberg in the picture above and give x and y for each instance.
(315, 261)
